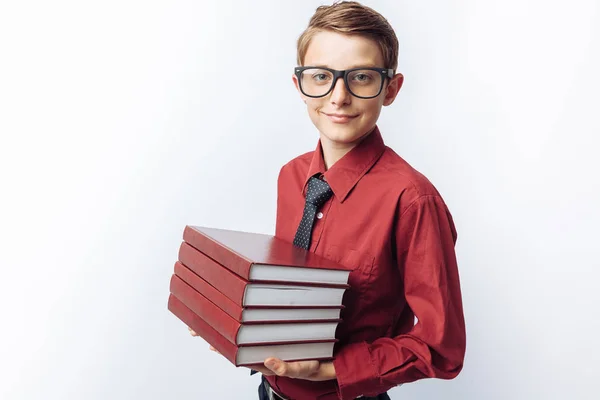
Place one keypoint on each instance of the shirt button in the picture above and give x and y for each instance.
(320, 215)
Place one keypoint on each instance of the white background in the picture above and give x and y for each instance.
(122, 121)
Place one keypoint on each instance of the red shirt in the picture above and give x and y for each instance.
(403, 318)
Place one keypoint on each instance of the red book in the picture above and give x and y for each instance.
(250, 334)
(231, 285)
(208, 291)
(259, 257)
(252, 315)
(254, 294)
(248, 355)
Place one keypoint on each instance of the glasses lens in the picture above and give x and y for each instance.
(362, 83)
(316, 81)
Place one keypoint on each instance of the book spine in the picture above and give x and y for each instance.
(200, 305)
(225, 256)
(208, 291)
(221, 278)
(202, 328)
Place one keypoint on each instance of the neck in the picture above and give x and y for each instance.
(334, 151)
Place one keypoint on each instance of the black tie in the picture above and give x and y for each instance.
(317, 194)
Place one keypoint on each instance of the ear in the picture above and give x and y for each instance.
(295, 80)
(392, 89)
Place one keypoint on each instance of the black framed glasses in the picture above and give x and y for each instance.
(364, 83)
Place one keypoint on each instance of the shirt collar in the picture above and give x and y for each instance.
(348, 170)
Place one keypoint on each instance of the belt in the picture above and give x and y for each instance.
(273, 395)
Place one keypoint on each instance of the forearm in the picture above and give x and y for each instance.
(326, 372)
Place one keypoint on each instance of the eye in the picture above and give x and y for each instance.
(362, 77)
(320, 77)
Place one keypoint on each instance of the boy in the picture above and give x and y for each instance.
(403, 317)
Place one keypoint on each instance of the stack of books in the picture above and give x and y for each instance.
(254, 296)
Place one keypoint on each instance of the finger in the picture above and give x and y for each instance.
(280, 367)
(192, 331)
(213, 349)
(298, 369)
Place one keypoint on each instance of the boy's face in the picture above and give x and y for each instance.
(337, 51)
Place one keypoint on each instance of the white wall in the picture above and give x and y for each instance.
(122, 121)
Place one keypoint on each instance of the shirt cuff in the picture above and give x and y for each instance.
(355, 371)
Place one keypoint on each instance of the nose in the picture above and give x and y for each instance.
(340, 94)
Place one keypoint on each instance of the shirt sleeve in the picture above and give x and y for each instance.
(435, 346)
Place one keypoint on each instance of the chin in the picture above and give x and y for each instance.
(341, 136)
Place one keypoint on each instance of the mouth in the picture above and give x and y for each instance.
(340, 118)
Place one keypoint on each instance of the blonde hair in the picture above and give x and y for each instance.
(352, 18)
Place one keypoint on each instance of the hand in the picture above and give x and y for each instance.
(311, 370)
(195, 334)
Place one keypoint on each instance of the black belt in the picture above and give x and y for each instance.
(273, 395)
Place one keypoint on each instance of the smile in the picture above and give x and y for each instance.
(340, 118)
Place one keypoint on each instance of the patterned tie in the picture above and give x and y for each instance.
(317, 194)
